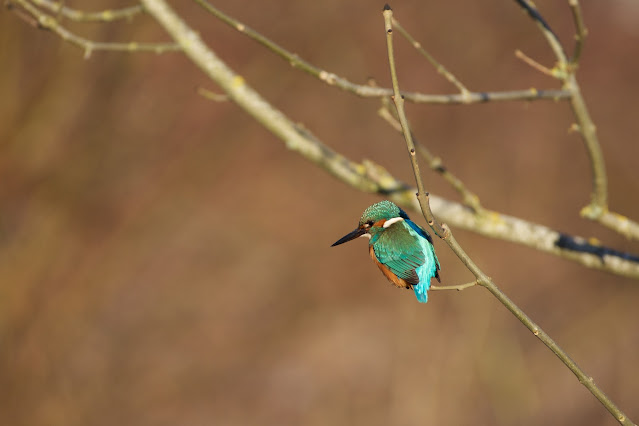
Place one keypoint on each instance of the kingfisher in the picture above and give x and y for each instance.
(400, 248)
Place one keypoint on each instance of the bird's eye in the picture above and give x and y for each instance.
(369, 223)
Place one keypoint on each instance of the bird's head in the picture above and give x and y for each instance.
(374, 220)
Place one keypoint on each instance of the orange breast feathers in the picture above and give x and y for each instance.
(387, 272)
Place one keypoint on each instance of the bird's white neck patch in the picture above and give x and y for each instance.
(389, 222)
(366, 235)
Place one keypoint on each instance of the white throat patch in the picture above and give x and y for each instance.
(366, 235)
(389, 222)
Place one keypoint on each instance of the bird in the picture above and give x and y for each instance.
(402, 249)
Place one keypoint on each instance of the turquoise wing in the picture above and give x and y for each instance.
(407, 250)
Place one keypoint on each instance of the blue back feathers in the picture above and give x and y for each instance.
(407, 250)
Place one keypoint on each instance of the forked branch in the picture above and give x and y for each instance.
(565, 70)
(370, 177)
(482, 279)
(332, 79)
(50, 22)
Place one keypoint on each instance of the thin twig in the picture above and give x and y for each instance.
(437, 65)
(548, 33)
(22, 14)
(458, 287)
(50, 23)
(212, 96)
(80, 15)
(583, 378)
(364, 90)
(599, 201)
(483, 279)
(534, 64)
(588, 131)
(580, 33)
(422, 195)
(469, 198)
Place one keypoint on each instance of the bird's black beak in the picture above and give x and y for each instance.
(350, 236)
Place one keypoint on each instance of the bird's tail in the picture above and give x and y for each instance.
(421, 291)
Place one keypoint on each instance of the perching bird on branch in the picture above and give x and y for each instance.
(401, 249)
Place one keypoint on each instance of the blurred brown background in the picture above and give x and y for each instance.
(164, 260)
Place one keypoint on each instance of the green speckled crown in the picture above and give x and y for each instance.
(382, 210)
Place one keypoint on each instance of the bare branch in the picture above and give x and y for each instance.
(370, 177)
(581, 32)
(458, 287)
(212, 96)
(597, 210)
(438, 66)
(534, 64)
(482, 279)
(469, 198)
(422, 194)
(548, 33)
(364, 90)
(108, 15)
(617, 222)
(89, 46)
